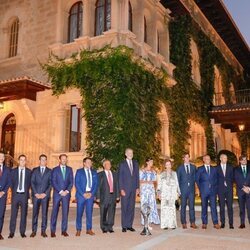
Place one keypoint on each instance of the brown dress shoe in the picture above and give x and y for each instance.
(242, 226)
(204, 226)
(78, 233)
(1, 237)
(90, 232)
(65, 234)
(44, 235)
(53, 235)
(193, 225)
(184, 226)
(217, 226)
(33, 234)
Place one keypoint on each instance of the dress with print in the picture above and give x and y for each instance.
(168, 189)
(147, 195)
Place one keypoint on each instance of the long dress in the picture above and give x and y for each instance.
(147, 195)
(168, 189)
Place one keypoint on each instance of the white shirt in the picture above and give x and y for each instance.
(19, 173)
(42, 169)
(244, 168)
(88, 184)
(207, 168)
(1, 168)
(224, 167)
(130, 163)
(187, 167)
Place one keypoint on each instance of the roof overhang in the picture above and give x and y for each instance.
(19, 88)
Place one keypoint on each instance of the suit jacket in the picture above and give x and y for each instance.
(128, 182)
(41, 183)
(228, 178)
(103, 190)
(5, 180)
(240, 180)
(186, 181)
(57, 181)
(207, 183)
(81, 183)
(14, 182)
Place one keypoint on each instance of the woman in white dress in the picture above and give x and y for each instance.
(168, 192)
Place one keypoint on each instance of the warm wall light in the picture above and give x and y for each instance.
(241, 127)
(1, 105)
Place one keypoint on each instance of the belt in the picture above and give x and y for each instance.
(20, 192)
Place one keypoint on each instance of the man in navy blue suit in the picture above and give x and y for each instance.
(41, 187)
(225, 190)
(86, 182)
(206, 179)
(186, 177)
(242, 179)
(4, 186)
(129, 188)
(20, 185)
(62, 183)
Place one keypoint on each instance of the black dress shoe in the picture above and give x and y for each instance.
(242, 226)
(65, 234)
(1, 237)
(53, 235)
(111, 231)
(11, 235)
(33, 234)
(124, 230)
(222, 225)
(23, 235)
(104, 231)
(44, 235)
(131, 229)
(231, 227)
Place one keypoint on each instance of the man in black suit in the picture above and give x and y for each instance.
(41, 187)
(225, 190)
(4, 186)
(242, 179)
(107, 195)
(129, 188)
(20, 185)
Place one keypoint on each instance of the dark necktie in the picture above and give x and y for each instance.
(21, 180)
(244, 171)
(131, 167)
(187, 169)
(208, 170)
(89, 179)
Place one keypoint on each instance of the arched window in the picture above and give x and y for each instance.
(75, 21)
(102, 16)
(14, 38)
(130, 17)
(145, 30)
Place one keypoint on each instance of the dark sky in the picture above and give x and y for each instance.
(240, 11)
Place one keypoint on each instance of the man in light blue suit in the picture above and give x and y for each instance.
(62, 183)
(86, 182)
(206, 179)
(186, 177)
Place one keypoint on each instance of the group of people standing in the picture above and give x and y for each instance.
(109, 187)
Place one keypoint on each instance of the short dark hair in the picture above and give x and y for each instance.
(186, 153)
(61, 155)
(242, 156)
(42, 155)
(86, 158)
(22, 155)
(1, 152)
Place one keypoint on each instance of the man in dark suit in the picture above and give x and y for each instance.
(62, 183)
(41, 187)
(86, 182)
(20, 185)
(186, 177)
(4, 186)
(129, 188)
(206, 179)
(107, 195)
(225, 190)
(242, 179)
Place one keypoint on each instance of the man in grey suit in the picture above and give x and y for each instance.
(107, 196)
(129, 188)
(41, 187)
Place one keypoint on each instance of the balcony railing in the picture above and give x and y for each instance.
(237, 97)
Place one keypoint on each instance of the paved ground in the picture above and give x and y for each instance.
(223, 239)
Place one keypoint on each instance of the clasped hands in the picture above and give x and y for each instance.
(87, 195)
(246, 189)
(40, 196)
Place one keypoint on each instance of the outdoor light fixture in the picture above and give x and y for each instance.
(1, 105)
(241, 126)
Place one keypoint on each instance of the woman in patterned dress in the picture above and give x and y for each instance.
(168, 192)
(147, 191)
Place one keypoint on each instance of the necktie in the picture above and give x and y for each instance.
(89, 179)
(21, 180)
(224, 169)
(64, 172)
(110, 182)
(1, 171)
(187, 169)
(42, 171)
(244, 171)
(208, 170)
(131, 167)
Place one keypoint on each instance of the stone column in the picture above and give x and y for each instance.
(88, 17)
(115, 15)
